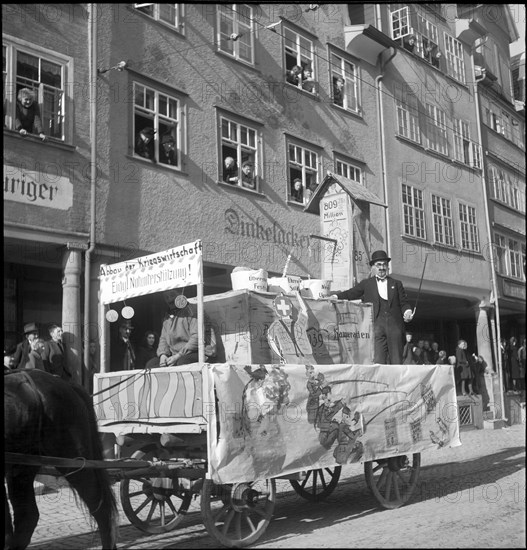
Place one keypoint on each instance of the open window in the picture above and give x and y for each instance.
(239, 154)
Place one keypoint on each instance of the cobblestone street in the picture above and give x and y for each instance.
(468, 497)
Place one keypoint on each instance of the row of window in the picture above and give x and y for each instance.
(443, 216)
(503, 123)
(506, 187)
(510, 256)
(431, 129)
(420, 36)
(236, 33)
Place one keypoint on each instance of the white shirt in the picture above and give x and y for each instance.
(382, 287)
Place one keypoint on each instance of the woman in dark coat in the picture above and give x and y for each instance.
(463, 367)
(514, 364)
(147, 349)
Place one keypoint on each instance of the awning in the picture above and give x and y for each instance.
(355, 190)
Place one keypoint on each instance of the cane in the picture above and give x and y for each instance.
(420, 283)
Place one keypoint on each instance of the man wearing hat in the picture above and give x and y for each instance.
(144, 144)
(21, 357)
(247, 175)
(168, 149)
(122, 352)
(390, 309)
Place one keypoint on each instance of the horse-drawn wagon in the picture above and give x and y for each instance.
(294, 395)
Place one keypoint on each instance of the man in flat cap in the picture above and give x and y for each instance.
(21, 357)
(390, 309)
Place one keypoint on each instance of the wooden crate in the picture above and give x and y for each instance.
(339, 332)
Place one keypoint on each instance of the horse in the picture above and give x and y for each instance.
(45, 415)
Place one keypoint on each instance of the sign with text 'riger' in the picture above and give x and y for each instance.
(37, 188)
(173, 268)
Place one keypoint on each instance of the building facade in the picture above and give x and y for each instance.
(502, 117)
(168, 123)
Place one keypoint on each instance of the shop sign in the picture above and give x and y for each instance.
(513, 290)
(37, 188)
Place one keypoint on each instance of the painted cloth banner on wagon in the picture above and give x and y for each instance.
(279, 419)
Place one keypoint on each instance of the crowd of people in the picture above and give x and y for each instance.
(468, 367)
(34, 352)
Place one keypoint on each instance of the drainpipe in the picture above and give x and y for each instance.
(92, 56)
(378, 86)
(496, 334)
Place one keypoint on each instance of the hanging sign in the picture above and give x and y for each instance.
(173, 268)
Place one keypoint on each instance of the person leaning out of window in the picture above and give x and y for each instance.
(248, 175)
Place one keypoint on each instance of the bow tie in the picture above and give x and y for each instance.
(379, 280)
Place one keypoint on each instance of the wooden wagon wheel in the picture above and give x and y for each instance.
(154, 504)
(318, 484)
(393, 480)
(237, 515)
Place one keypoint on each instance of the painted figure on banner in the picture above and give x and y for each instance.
(315, 382)
(263, 397)
(325, 421)
(349, 448)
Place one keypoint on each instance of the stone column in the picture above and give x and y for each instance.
(71, 310)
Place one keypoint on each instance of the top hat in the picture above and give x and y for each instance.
(126, 323)
(30, 327)
(379, 256)
(148, 131)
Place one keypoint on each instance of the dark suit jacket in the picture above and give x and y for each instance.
(21, 356)
(55, 360)
(367, 291)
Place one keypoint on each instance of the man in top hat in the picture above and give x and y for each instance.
(122, 352)
(144, 144)
(390, 309)
(21, 357)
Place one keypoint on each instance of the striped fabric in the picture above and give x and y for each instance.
(147, 396)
